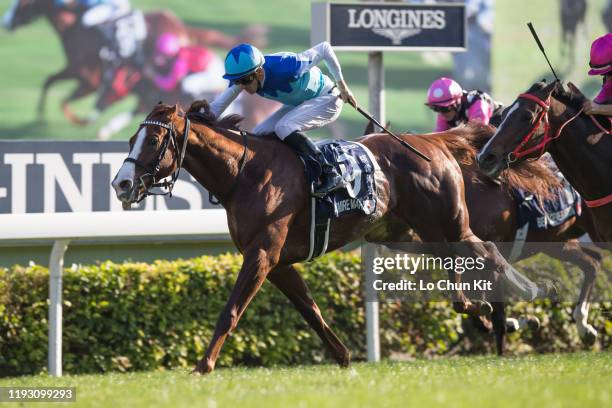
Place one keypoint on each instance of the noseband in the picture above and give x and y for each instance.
(153, 168)
(542, 118)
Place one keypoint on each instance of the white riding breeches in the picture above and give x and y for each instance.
(105, 12)
(312, 114)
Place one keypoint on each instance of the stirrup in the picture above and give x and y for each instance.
(328, 186)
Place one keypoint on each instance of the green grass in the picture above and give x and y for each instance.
(566, 380)
(33, 52)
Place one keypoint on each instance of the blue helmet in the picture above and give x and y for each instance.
(242, 60)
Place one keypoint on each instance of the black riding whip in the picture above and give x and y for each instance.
(390, 133)
(535, 36)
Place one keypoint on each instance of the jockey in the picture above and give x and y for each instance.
(601, 64)
(121, 27)
(456, 106)
(198, 70)
(310, 98)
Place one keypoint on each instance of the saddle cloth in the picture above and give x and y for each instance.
(543, 214)
(357, 166)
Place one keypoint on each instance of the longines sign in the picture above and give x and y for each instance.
(51, 176)
(389, 26)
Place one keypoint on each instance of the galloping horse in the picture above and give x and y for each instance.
(262, 186)
(82, 46)
(494, 217)
(547, 117)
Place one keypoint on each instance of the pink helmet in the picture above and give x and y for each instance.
(601, 55)
(168, 44)
(444, 92)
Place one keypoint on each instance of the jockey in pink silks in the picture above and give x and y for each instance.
(455, 106)
(601, 64)
(197, 70)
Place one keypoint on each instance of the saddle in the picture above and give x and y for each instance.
(357, 166)
(536, 215)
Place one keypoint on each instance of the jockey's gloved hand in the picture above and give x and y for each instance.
(346, 94)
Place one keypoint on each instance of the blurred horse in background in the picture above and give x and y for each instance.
(573, 13)
(82, 47)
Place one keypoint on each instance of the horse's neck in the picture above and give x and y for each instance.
(579, 161)
(213, 159)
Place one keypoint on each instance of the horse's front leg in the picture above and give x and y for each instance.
(65, 73)
(255, 268)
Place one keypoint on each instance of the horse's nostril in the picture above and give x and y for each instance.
(125, 185)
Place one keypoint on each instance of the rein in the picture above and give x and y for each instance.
(543, 118)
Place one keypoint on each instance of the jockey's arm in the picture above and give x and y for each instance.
(324, 52)
(441, 124)
(221, 102)
(480, 112)
(593, 108)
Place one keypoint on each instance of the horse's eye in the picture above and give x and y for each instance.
(153, 141)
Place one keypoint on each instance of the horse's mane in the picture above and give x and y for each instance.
(199, 112)
(464, 143)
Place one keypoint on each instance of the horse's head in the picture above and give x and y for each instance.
(156, 152)
(523, 132)
(23, 11)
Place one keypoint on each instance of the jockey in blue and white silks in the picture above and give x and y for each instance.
(310, 98)
(121, 25)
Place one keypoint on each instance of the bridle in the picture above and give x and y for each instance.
(543, 117)
(152, 169)
(171, 137)
(517, 153)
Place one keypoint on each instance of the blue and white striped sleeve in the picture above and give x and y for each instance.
(322, 52)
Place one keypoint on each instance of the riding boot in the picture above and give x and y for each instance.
(331, 179)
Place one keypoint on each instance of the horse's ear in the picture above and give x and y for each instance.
(160, 103)
(549, 89)
(574, 89)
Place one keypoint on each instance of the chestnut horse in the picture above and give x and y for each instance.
(547, 117)
(262, 186)
(82, 46)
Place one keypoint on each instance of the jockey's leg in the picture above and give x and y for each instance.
(312, 114)
(331, 178)
(269, 124)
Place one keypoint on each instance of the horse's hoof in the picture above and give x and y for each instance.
(589, 338)
(202, 368)
(531, 322)
(344, 360)
(484, 308)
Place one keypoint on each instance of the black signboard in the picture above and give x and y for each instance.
(52, 176)
(389, 26)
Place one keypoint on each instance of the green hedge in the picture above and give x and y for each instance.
(136, 316)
